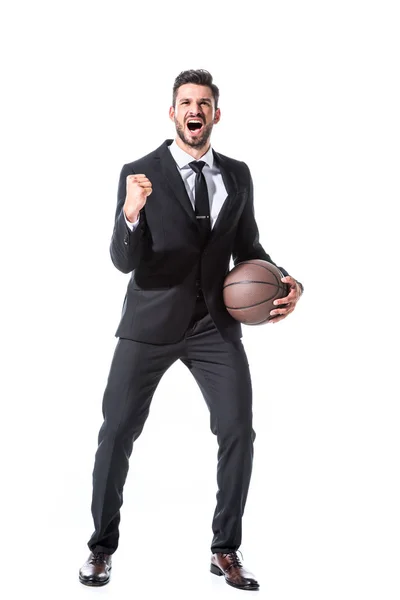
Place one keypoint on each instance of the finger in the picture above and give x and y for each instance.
(277, 319)
(274, 318)
(291, 283)
(280, 311)
(141, 182)
(144, 183)
(291, 297)
(286, 300)
(288, 279)
(137, 178)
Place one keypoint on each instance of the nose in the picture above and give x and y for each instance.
(195, 112)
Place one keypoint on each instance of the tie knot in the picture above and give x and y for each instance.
(197, 165)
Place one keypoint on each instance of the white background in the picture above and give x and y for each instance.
(310, 100)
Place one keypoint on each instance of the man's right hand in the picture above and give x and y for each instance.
(138, 187)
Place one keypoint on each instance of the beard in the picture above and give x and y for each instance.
(194, 142)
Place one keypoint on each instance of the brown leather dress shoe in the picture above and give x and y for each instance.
(96, 570)
(235, 575)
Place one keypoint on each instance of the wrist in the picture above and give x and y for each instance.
(132, 218)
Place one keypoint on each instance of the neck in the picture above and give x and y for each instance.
(195, 152)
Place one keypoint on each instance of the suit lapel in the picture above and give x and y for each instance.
(175, 181)
(230, 183)
(178, 189)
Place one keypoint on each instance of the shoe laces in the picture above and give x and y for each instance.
(234, 559)
(98, 558)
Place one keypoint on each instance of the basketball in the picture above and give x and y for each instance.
(250, 289)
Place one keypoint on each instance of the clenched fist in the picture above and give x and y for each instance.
(138, 187)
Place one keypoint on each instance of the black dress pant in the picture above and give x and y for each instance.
(222, 373)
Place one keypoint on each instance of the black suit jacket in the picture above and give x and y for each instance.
(165, 250)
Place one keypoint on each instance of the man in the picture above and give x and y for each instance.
(183, 211)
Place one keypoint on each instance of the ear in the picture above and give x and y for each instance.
(171, 113)
(217, 116)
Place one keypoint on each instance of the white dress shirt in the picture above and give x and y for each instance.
(216, 189)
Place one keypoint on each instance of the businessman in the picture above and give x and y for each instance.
(183, 212)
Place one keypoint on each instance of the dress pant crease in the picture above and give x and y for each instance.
(221, 371)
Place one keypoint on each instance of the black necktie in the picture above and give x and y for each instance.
(202, 204)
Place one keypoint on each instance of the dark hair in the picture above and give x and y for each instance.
(198, 77)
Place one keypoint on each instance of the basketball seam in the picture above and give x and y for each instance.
(250, 281)
(260, 322)
(250, 305)
(249, 262)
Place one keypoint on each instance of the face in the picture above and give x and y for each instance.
(194, 114)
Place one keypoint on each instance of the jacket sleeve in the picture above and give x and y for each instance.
(246, 244)
(126, 245)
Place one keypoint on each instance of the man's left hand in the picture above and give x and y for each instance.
(290, 301)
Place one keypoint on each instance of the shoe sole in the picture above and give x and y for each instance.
(217, 571)
(92, 583)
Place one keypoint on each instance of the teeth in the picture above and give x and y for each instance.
(194, 121)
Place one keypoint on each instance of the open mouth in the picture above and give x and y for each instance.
(194, 125)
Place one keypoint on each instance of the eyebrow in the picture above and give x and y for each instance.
(200, 99)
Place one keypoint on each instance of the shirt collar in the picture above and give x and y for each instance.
(182, 158)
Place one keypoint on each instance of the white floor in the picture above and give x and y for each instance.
(322, 517)
(157, 560)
